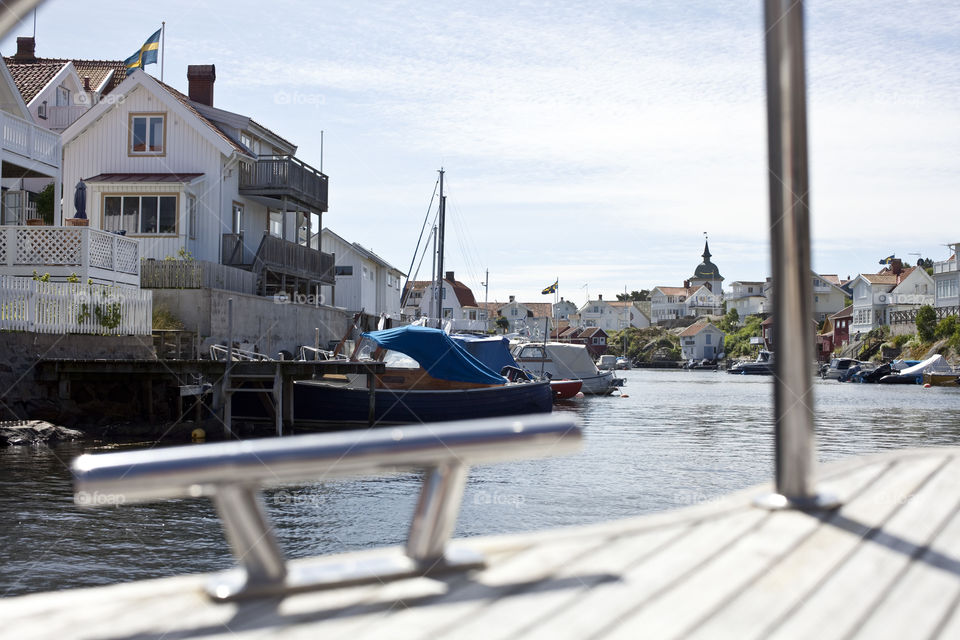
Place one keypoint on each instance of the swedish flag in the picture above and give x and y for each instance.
(551, 289)
(147, 54)
(888, 259)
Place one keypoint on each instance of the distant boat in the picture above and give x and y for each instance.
(566, 360)
(438, 380)
(762, 366)
(916, 373)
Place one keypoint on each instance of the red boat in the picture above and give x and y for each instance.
(564, 389)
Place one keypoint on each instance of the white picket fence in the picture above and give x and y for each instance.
(66, 307)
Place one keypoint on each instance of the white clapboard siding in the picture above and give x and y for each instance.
(67, 307)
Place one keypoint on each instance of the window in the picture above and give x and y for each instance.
(63, 96)
(147, 134)
(192, 216)
(276, 224)
(246, 140)
(236, 218)
(709, 338)
(513, 312)
(42, 110)
(447, 313)
(140, 214)
(473, 314)
(347, 270)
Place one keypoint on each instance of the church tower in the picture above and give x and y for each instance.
(707, 273)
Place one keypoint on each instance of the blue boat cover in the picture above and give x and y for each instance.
(493, 351)
(441, 357)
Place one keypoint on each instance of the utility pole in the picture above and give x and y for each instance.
(486, 295)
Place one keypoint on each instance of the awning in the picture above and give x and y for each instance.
(145, 177)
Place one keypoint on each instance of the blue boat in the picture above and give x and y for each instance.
(448, 384)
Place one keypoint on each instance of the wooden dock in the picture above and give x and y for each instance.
(886, 564)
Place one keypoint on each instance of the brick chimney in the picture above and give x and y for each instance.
(200, 79)
(513, 298)
(450, 276)
(86, 83)
(599, 296)
(26, 50)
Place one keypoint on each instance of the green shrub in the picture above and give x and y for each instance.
(926, 323)
(163, 319)
(946, 327)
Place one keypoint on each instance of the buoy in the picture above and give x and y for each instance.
(198, 435)
(624, 395)
(926, 386)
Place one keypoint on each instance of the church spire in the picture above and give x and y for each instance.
(706, 247)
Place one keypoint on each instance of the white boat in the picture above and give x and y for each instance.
(564, 360)
(607, 362)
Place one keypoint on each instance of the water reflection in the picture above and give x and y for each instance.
(679, 438)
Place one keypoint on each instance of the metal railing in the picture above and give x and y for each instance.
(233, 473)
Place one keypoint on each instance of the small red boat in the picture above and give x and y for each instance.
(564, 389)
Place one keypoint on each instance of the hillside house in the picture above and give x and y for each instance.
(946, 277)
(876, 296)
(460, 308)
(701, 341)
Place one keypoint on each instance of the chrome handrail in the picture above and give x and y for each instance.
(233, 473)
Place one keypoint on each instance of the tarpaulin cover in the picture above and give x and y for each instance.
(441, 357)
(493, 352)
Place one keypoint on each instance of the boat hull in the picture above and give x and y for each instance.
(329, 404)
(565, 389)
(942, 379)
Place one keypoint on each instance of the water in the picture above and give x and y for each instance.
(679, 438)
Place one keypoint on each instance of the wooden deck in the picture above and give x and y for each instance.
(885, 565)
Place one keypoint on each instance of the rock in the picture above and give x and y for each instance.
(33, 432)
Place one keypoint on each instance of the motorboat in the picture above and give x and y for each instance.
(566, 360)
(607, 362)
(838, 367)
(429, 378)
(915, 374)
(624, 363)
(762, 366)
(494, 351)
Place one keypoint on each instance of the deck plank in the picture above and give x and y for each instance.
(756, 609)
(846, 597)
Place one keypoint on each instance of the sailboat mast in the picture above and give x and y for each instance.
(440, 233)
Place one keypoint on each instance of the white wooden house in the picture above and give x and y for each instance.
(746, 296)
(701, 341)
(600, 313)
(946, 278)
(364, 280)
(183, 176)
(875, 296)
(630, 314)
(529, 319)
(459, 309)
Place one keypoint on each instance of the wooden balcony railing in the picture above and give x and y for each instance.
(294, 259)
(285, 176)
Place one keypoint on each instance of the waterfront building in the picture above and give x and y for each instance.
(630, 313)
(528, 319)
(460, 308)
(363, 281)
(600, 313)
(186, 177)
(700, 295)
(701, 341)
(835, 333)
(877, 295)
(946, 277)
(563, 310)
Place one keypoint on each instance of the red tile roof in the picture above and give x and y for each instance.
(31, 78)
(674, 291)
(462, 291)
(590, 332)
(695, 328)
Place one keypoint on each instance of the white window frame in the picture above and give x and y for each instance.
(152, 146)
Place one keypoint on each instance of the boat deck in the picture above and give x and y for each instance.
(884, 565)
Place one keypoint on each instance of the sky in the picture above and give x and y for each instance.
(590, 143)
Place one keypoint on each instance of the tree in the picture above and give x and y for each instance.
(44, 202)
(730, 321)
(926, 323)
(636, 296)
(502, 323)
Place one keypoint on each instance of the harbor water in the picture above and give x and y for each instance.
(677, 438)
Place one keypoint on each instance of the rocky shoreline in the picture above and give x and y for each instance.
(35, 432)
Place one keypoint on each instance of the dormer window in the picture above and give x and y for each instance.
(246, 141)
(148, 134)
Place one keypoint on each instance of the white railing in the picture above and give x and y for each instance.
(945, 266)
(28, 140)
(67, 307)
(63, 117)
(64, 251)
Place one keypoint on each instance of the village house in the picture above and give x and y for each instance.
(459, 308)
(835, 333)
(529, 319)
(877, 296)
(630, 314)
(747, 298)
(700, 295)
(187, 178)
(828, 295)
(600, 313)
(946, 277)
(701, 341)
(363, 281)
(563, 310)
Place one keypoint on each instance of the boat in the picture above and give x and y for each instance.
(429, 378)
(566, 360)
(838, 367)
(915, 374)
(607, 362)
(942, 379)
(624, 363)
(762, 366)
(494, 351)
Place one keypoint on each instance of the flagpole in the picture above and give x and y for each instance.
(163, 49)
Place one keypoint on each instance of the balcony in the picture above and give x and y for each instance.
(59, 118)
(277, 179)
(62, 252)
(34, 150)
(945, 266)
(280, 265)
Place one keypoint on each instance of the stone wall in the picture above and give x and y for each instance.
(263, 323)
(22, 397)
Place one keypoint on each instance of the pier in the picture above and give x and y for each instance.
(882, 565)
(273, 379)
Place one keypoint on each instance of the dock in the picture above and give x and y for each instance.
(885, 564)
